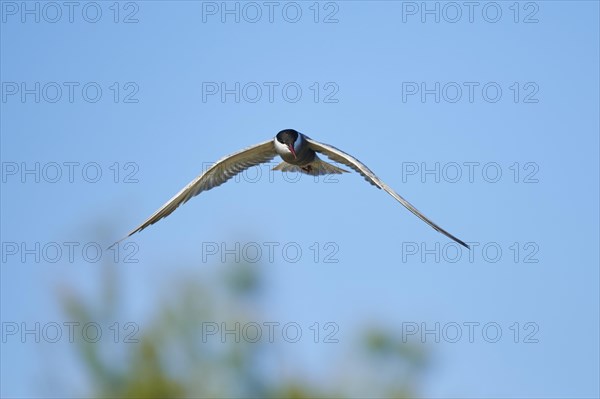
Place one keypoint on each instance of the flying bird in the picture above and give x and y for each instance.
(299, 154)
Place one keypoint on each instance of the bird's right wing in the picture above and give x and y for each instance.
(340, 156)
(217, 174)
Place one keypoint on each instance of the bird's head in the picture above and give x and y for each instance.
(288, 141)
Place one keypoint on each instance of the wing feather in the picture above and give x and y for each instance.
(217, 174)
(340, 156)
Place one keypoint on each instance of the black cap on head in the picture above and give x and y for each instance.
(287, 136)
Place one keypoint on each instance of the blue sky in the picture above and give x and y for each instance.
(504, 105)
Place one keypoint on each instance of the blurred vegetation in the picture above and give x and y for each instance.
(169, 358)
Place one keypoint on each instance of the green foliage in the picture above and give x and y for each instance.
(170, 359)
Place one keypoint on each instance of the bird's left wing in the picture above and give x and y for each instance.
(217, 174)
(340, 156)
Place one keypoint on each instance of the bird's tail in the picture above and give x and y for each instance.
(316, 168)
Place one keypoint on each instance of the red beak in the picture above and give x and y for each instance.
(291, 147)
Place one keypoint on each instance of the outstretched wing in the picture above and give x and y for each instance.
(214, 176)
(340, 156)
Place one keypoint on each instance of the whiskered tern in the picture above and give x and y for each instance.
(299, 154)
